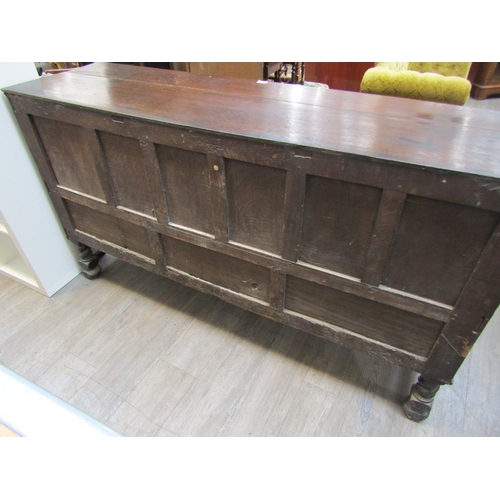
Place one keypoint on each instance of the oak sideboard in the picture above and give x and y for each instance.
(371, 221)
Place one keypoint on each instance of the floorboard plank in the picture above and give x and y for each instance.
(152, 330)
(217, 390)
(273, 387)
(66, 376)
(160, 391)
(195, 346)
(96, 400)
(482, 405)
(314, 413)
(130, 422)
(377, 390)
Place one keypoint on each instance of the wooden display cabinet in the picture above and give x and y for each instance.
(486, 80)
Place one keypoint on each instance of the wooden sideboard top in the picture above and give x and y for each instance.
(414, 132)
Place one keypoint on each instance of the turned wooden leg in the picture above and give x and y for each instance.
(89, 261)
(419, 404)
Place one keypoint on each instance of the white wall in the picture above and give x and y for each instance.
(24, 201)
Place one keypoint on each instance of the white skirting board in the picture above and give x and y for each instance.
(31, 411)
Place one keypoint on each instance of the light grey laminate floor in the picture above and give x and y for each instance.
(150, 357)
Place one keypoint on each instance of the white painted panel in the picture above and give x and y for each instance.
(24, 203)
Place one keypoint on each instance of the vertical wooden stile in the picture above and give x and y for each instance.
(217, 174)
(295, 192)
(389, 213)
(101, 165)
(152, 167)
(157, 250)
(277, 289)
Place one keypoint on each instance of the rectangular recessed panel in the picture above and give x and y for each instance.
(135, 238)
(70, 156)
(397, 328)
(108, 228)
(222, 270)
(436, 247)
(256, 201)
(338, 223)
(127, 170)
(186, 177)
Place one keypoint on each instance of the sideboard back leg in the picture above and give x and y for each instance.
(418, 406)
(89, 261)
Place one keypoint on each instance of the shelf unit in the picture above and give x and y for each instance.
(12, 263)
(33, 247)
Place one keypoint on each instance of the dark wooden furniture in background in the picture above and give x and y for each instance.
(251, 70)
(485, 79)
(367, 220)
(338, 75)
(285, 72)
(277, 71)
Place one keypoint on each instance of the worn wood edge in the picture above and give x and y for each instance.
(353, 340)
(478, 191)
(444, 183)
(488, 265)
(475, 307)
(117, 251)
(267, 153)
(443, 362)
(335, 99)
(248, 90)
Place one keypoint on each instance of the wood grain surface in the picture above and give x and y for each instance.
(371, 126)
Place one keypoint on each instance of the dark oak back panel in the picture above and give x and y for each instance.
(110, 229)
(436, 247)
(362, 219)
(339, 218)
(127, 172)
(70, 156)
(222, 270)
(187, 186)
(379, 322)
(256, 205)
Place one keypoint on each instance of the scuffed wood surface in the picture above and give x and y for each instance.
(368, 125)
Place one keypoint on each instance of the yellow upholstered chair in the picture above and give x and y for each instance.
(428, 81)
